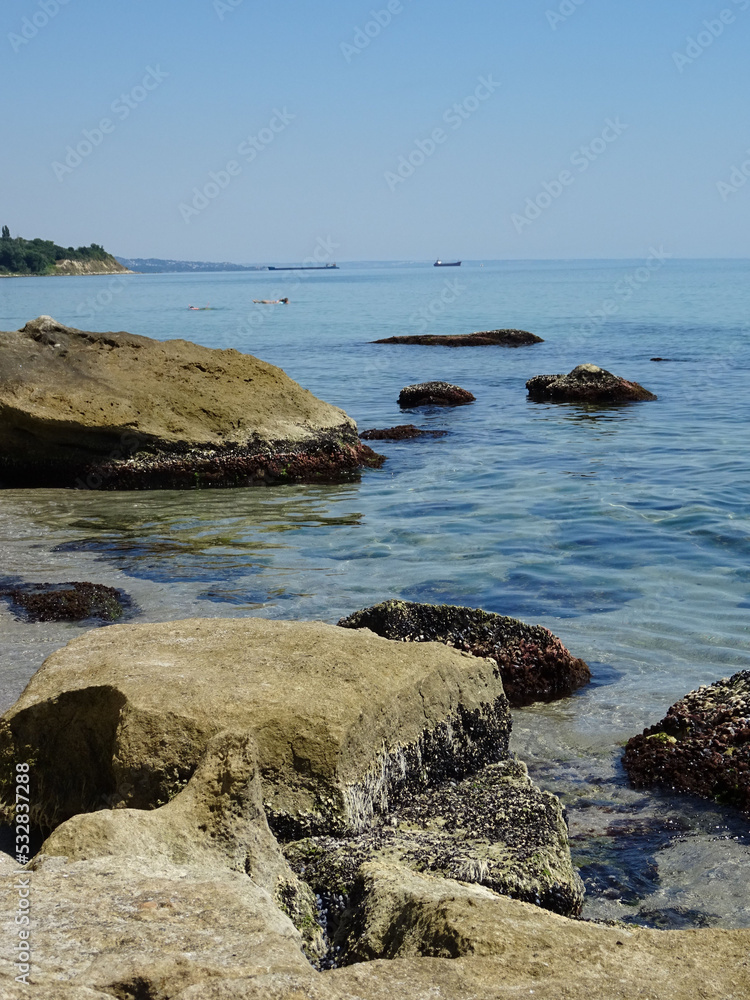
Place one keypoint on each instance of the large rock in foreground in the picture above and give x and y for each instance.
(344, 721)
(488, 338)
(215, 825)
(702, 745)
(119, 411)
(501, 949)
(586, 384)
(533, 663)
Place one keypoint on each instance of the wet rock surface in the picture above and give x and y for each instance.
(701, 746)
(487, 338)
(495, 829)
(434, 394)
(533, 663)
(586, 384)
(402, 432)
(66, 602)
(120, 411)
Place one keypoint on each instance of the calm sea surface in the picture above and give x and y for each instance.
(626, 530)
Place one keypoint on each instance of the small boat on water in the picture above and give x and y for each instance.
(447, 263)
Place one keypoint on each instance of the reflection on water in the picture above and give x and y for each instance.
(196, 536)
(607, 417)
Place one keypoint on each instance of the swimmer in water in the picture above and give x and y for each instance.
(271, 302)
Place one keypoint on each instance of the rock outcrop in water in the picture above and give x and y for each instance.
(402, 432)
(212, 726)
(119, 411)
(434, 394)
(586, 384)
(702, 745)
(488, 338)
(533, 663)
(65, 602)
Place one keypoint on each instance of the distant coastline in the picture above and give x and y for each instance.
(157, 265)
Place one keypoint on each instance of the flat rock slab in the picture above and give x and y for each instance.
(343, 719)
(402, 432)
(434, 394)
(135, 928)
(120, 411)
(533, 663)
(586, 384)
(701, 746)
(488, 338)
(502, 949)
(216, 823)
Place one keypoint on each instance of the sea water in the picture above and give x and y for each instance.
(625, 530)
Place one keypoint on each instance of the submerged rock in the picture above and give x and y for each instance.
(344, 720)
(65, 602)
(586, 384)
(533, 663)
(120, 411)
(434, 394)
(488, 338)
(701, 746)
(400, 433)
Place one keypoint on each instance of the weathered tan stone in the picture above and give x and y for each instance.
(119, 411)
(343, 719)
(135, 927)
(216, 822)
(506, 950)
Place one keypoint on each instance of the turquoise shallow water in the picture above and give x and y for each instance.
(624, 530)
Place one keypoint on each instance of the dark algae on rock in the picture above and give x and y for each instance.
(487, 338)
(534, 665)
(701, 746)
(434, 394)
(65, 602)
(494, 828)
(586, 384)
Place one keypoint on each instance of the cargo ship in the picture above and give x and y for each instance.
(306, 267)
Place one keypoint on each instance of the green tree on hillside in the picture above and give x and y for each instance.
(37, 256)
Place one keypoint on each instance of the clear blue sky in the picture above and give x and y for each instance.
(224, 69)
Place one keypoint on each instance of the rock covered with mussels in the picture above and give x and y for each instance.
(701, 746)
(586, 384)
(533, 663)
